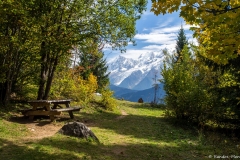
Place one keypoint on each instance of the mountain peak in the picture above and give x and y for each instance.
(130, 73)
(121, 63)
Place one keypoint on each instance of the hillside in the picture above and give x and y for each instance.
(147, 95)
(118, 91)
(134, 95)
(131, 132)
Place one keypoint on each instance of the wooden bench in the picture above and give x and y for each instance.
(69, 110)
(24, 111)
(49, 108)
(43, 111)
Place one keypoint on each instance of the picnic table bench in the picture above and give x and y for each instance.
(49, 108)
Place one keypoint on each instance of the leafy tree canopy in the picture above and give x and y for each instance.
(217, 24)
(36, 36)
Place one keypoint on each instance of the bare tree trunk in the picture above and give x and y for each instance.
(12, 59)
(52, 69)
(7, 92)
(44, 72)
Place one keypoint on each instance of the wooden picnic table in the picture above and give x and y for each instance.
(49, 108)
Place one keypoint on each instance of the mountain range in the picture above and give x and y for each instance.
(132, 79)
(135, 74)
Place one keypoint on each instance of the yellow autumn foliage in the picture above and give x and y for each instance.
(107, 101)
(217, 24)
(70, 86)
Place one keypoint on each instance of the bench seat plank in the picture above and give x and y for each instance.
(67, 109)
(38, 112)
(24, 111)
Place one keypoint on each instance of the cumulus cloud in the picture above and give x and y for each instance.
(162, 35)
(159, 47)
(156, 38)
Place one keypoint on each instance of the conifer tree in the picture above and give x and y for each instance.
(95, 64)
(181, 42)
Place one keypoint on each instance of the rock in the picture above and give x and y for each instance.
(78, 129)
(140, 100)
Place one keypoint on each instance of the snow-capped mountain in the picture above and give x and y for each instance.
(136, 74)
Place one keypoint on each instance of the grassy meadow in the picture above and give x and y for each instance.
(131, 132)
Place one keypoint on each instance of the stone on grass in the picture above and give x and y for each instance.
(78, 129)
(140, 100)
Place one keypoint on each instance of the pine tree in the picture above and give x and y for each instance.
(100, 71)
(85, 64)
(95, 64)
(181, 42)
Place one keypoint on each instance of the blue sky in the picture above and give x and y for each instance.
(154, 33)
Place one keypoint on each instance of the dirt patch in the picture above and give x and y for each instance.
(39, 132)
(123, 115)
(42, 127)
(37, 128)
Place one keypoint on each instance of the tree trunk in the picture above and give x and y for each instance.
(50, 77)
(6, 90)
(7, 93)
(44, 71)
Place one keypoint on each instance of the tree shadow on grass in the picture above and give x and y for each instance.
(63, 148)
(39, 120)
(147, 127)
(12, 151)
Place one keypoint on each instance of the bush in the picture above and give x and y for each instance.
(187, 89)
(70, 86)
(107, 101)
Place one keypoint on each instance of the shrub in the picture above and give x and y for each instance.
(107, 101)
(187, 89)
(68, 85)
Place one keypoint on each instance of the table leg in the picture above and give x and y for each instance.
(48, 108)
(51, 117)
(69, 112)
(31, 117)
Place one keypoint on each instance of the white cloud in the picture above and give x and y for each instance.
(159, 47)
(145, 29)
(164, 23)
(157, 38)
(147, 13)
(166, 29)
(166, 35)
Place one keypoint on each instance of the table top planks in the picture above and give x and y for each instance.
(50, 101)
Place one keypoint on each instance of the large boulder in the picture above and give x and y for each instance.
(78, 129)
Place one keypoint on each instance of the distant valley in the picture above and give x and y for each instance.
(133, 95)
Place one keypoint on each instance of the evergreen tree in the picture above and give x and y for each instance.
(95, 64)
(181, 42)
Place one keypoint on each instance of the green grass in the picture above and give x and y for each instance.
(143, 134)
